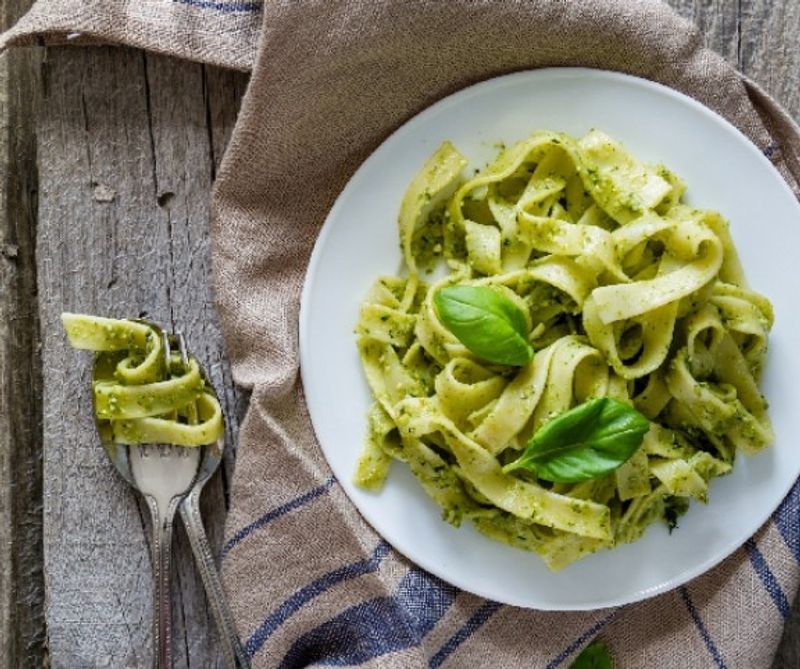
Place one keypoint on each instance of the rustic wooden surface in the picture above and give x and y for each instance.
(21, 592)
(123, 152)
(127, 145)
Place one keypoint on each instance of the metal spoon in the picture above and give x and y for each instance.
(232, 648)
(171, 477)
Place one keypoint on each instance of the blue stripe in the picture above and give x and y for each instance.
(376, 627)
(698, 621)
(424, 599)
(310, 591)
(276, 513)
(787, 519)
(582, 639)
(476, 620)
(231, 7)
(771, 584)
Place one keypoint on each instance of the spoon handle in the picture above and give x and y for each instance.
(235, 655)
(162, 590)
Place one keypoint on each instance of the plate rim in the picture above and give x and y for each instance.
(325, 230)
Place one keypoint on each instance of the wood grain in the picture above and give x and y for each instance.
(127, 146)
(130, 140)
(21, 578)
(759, 37)
(770, 49)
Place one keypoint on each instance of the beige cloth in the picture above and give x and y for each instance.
(311, 583)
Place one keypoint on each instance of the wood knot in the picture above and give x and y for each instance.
(165, 198)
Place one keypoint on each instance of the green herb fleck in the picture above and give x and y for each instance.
(674, 508)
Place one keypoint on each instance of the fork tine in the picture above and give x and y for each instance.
(182, 347)
(161, 449)
(167, 350)
(181, 341)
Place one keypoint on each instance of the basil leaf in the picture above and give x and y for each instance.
(586, 442)
(486, 322)
(594, 656)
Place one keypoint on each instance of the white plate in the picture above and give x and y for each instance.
(723, 170)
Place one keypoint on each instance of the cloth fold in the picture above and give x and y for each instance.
(218, 32)
(311, 583)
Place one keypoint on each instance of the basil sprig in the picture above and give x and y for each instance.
(594, 656)
(586, 442)
(486, 322)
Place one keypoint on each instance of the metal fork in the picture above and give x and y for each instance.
(171, 477)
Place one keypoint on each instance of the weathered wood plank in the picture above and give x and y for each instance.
(21, 579)
(770, 48)
(223, 93)
(125, 145)
(760, 37)
(718, 20)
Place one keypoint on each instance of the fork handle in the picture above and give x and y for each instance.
(162, 582)
(232, 649)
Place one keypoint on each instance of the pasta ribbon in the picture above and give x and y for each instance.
(626, 291)
(428, 191)
(140, 397)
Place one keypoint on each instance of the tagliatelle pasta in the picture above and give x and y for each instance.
(628, 293)
(140, 397)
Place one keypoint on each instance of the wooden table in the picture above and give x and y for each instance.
(108, 156)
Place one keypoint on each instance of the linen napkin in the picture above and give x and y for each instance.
(311, 583)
